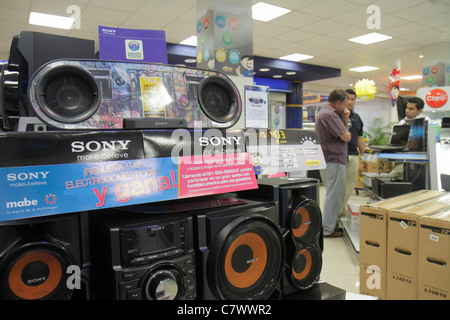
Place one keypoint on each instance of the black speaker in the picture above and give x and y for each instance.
(40, 258)
(240, 251)
(301, 217)
(31, 50)
(142, 256)
(101, 95)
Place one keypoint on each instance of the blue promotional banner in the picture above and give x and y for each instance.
(132, 45)
(54, 189)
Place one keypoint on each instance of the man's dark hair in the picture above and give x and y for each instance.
(350, 91)
(337, 95)
(418, 102)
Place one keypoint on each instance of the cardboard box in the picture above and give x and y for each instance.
(353, 215)
(403, 246)
(373, 239)
(434, 257)
(378, 166)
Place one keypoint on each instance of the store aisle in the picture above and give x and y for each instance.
(340, 260)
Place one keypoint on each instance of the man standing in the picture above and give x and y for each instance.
(356, 146)
(333, 133)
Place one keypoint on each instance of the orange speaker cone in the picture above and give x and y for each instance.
(306, 221)
(257, 263)
(48, 285)
(308, 264)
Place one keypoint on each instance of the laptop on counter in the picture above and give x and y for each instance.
(398, 140)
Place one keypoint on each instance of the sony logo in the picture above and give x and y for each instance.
(217, 141)
(93, 146)
(157, 228)
(37, 280)
(108, 31)
(27, 176)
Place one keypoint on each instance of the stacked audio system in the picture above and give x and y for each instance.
(301, 220)
(253, 245)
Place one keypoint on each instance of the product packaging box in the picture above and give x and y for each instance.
(353, 215)
(373, 239)
(403, 246)
(434, 257)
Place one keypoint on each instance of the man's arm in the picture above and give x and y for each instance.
(347, 136)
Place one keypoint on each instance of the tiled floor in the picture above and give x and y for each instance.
(340, 260)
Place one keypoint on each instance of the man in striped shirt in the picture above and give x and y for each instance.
(333, 132)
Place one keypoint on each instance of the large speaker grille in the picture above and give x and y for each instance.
(246, 261)
(68, 94)
(35, 271)
(219, 100)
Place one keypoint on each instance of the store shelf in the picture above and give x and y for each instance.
(352, 236)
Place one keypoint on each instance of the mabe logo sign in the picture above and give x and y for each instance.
(436, 98)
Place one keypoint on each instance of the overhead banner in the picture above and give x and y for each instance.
(394, 82)
(120, 44)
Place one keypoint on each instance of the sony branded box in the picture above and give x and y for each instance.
(434, 256)
(403, 246)
(373, 239)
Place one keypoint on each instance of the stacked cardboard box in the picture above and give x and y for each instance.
(403, 246)
(373, 237)
(434, 256)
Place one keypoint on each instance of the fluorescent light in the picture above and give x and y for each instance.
(191, 41)
(296, 57)
(364, 69)
(370, 38)
(264, 69)
(50, 20)
(414, 77)
(291, 73)
(266, 12)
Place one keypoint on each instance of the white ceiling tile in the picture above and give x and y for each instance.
(317, 27)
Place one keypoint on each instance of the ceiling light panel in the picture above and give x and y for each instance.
(191, 41)
(364, 69)
(370, 38)
(266, 12)
(296, 57)
(50, 20)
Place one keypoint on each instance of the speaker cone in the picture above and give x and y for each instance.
(68, 94)
(219, 100)
(246, 261)
(306, 267)
(306, 221)
(35, 271)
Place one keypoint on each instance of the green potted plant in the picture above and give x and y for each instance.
(377, 134)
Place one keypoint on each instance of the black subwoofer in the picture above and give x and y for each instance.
(36, 256)
(240, 251)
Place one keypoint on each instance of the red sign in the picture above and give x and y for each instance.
(436, 98)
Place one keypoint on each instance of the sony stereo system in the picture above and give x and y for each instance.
(60, 84)
(111, 95)
(139, 256)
